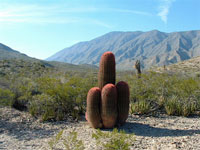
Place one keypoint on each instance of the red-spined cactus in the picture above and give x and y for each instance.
(106, 69)
(109, 105)
(122, 101)
(93, 107)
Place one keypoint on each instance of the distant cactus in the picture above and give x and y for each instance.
(137, 66)
(93, 110)
(106, 69)
(122, 101)
(109, 105)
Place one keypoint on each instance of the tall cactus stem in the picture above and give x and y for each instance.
(106, 69)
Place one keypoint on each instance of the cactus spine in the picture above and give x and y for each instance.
(93, 103)
(108, 103)
(122, 101)
(106, 69)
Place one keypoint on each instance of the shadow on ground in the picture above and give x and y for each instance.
(140, 129)
(24, 130)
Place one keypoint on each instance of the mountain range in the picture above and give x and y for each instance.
(152, 48)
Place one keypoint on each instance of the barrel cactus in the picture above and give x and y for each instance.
(108, 104)
(122, 101)
(93, 110)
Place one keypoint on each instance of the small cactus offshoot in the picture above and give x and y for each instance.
(93, 110)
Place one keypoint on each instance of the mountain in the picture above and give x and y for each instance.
(15, 60)
(8, 53)
(153, 48)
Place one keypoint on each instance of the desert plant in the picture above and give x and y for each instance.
(172, 106)
(140, 107)
(106, 69)
(6, 97)
(70, 143)
(93, 115)
(122, 101)
(175, 106)
(52, 143)
(58, 100)
(115, 140)
(137, 67)
(109, 105)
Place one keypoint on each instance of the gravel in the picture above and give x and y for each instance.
(20, 131)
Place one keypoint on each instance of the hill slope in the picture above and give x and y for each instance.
(14, 59)
(187, 67)
(8, 53)
(153, 48)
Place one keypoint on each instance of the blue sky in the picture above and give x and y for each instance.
(40, 28)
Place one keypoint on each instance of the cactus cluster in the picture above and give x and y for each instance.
(108, 104)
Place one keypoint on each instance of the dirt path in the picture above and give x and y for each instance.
(18, 130)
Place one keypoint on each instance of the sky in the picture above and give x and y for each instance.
(40, 28)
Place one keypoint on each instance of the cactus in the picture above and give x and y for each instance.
(109, 105)
(106, 69)
(122, 101)
(137, 66)
(93, 110)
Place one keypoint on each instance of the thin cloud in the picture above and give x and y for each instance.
(131, 11)
(99, 23)
(56, 14)
(47, 14)
(164, 9)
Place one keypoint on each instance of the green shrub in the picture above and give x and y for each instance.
(115, 140)
(43, 105)
(140, 107)
(169, 92)
(70, 143)
(54, 93)
(58, 99)
(24, 89)
(184, 107)
(6, 97)
(172, 106)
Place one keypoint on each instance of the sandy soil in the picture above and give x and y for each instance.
(18, 130)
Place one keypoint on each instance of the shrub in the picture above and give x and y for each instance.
(140, 107)
(24, 89)
(58, 99)
(172, 106)
(6, 97)
(171, 92)
(183, 107)
(115, 140)
(70, 143)
(43, 105)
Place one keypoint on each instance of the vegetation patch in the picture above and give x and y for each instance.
(115, 140)
(55, 94)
